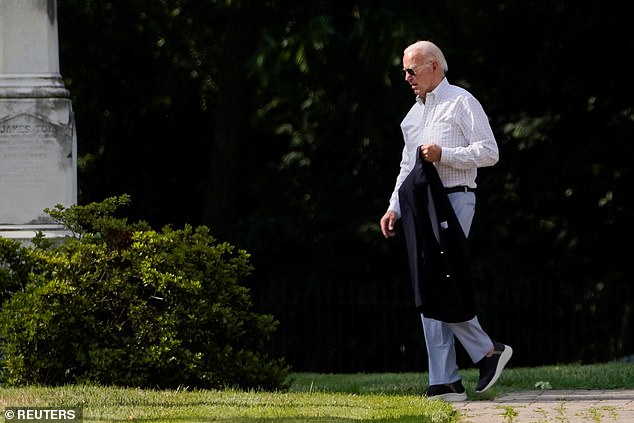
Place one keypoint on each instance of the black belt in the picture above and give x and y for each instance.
(459, 189)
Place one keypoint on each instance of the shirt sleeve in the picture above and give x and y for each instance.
(481, 149)
(408, 160)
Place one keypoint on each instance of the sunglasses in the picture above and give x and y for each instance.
(409, 71)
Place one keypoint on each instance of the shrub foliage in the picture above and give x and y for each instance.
(121, 304)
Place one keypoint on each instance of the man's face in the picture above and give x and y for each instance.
(419, 73)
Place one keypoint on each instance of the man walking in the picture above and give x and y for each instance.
(447, 137)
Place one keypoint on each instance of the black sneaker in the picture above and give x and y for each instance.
(449, 392)
(491, 367)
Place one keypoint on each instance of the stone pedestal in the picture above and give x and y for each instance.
(38, 157)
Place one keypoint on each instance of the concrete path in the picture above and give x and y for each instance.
(569, 406)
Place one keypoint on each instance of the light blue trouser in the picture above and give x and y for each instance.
(439, 336)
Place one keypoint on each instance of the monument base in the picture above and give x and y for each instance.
(26, 233)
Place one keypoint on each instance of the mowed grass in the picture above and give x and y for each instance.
(614, 375)
(312, 397)
(135, 405)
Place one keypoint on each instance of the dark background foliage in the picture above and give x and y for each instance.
(276, 124)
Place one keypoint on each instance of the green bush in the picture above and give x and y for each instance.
(121, 304)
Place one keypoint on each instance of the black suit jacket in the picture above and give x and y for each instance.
(440, 269)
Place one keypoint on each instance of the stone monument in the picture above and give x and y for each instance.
(38, 153)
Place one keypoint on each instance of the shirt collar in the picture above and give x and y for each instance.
(436, 92)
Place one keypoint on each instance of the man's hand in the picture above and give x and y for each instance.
(387, 223)
(431, 152)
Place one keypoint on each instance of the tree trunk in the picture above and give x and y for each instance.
(230, 141)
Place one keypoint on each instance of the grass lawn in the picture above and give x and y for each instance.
(312, 397)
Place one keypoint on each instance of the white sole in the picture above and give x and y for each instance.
(450, 397)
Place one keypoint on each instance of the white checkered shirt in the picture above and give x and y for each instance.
(454, 119)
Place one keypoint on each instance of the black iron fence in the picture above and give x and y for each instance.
(355, 326)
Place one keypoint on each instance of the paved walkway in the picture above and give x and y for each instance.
(569, 406)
